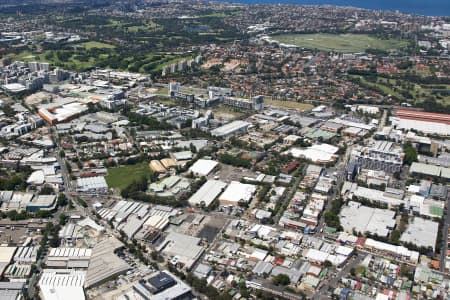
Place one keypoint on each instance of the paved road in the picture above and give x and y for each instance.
(327, 283)
(383, 120)
(444, 247)
(340, 177)
(290, 194)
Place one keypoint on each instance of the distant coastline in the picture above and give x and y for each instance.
(419, 7)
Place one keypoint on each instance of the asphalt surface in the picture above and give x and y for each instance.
(324, 286)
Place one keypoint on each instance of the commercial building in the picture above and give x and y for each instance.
(397, 251)
(42, 202)
(318, 153)
(382, 155)
(230, 129)
(256, 103)
(425, 122)
(62, 113)
(236, 193)
(162, 285)
(207, 193)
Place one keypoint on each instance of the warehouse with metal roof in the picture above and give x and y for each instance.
(203, 167)
(62, 284)
(421, 232)
(95, 184)
(207, 193)
(237, 192)
(104, 264)
(359, 218)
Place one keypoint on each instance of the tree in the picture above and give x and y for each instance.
(281, 279)
(395, 237)
(62, 219)
(327, 264)
(62, 200)
(410, 154)
(47, 190)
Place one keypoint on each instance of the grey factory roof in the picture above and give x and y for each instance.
(424, 169)
(421, 232)
(362, 218)
(91, 183)
(230, 128)
(133, 225)
(294, 275)
(202, 270)
(185, 247)
(11, 290)
(207, 193)
(104, 263)
(262, 267)
(43, 201)
(26, 254)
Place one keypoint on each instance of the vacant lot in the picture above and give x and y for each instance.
(121, 177)
(289, 104)
(340, 42)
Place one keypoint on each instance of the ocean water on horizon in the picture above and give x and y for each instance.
(420, 7)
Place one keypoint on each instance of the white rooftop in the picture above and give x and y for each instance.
(237, 191)
(203, 167)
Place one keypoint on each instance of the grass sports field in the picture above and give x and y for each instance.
(95, 44)
(340, 42)
(121, 177)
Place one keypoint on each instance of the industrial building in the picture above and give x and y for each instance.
(68, 258)
(182, 249)
(104, 264)
(359, 218)
(421, 232)
(62, 284)
(6, 257)
(426, 122)
(203, 167)
(382, 155)
(156, 166)
(42, 202)
(95, 184)
(230, 129)
(207, 193)
(26, 255)
(422, 169)
(11, 290)
(236, 193)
